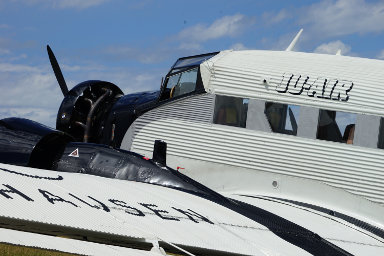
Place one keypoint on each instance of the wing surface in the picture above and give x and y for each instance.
(142, 216)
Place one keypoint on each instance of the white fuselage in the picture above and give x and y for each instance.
(230, 157)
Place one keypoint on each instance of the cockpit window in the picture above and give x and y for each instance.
(173, 81)
(186, 84)
(180, 84)
(184, 77)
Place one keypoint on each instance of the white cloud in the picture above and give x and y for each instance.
(239, 47)
(333, 47)
(6, 67)
(381, 55)
(44, 116)
(22, 56)
(4, 51)
(225, 26)
(63, 4)
(130, 80)
(32, 91)
(185, 43)
(272, 18)
(343, 17)
(281, 43)
(330, 18)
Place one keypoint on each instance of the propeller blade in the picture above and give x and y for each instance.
(57, 71)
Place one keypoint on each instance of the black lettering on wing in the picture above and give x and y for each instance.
(136, 212)
(53, 198)
(192, 215)
(158, 212)
(11, 189)
(32, 176)
(105, 208)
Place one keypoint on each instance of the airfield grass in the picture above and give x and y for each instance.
(13, 250)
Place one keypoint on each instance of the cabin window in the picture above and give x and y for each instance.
(380, 143)
(230, 111)
(282, 118)
(336, 126)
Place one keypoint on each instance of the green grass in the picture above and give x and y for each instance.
(13, 250)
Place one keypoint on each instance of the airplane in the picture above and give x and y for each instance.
(238, 153)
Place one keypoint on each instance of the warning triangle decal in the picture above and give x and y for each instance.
(75, 153)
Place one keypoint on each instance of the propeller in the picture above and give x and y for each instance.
(57, 71)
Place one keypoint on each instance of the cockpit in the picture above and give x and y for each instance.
(184, 77)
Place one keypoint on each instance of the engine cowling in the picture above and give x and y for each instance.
(27, 143)
(84, 109)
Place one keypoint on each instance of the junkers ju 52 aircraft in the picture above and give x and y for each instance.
(238, 153)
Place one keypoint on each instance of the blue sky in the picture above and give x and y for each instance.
(134, 43)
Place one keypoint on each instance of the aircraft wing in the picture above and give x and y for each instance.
(139, 216)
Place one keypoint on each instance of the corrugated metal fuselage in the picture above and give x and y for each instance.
(231, 158)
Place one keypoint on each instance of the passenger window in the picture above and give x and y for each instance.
(380, 143)
(336, 126)
(282, 118)
(230, 111)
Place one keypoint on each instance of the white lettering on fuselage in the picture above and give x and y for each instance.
(315, 87)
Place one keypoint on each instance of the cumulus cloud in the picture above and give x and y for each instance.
(4, 51)
(129, 80)
(44, 116)
(22, 56)
(63, 4)
(226, 26)
(188, 41)
(333, 47)
(281, 43)
(32, 91)
(239, 47)
(7, 67)
(271, 18)
(332, 18)
(344, 17)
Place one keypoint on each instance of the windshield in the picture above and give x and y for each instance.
(193, 61)
(180, 84)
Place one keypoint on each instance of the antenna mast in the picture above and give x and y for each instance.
(294, 42)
